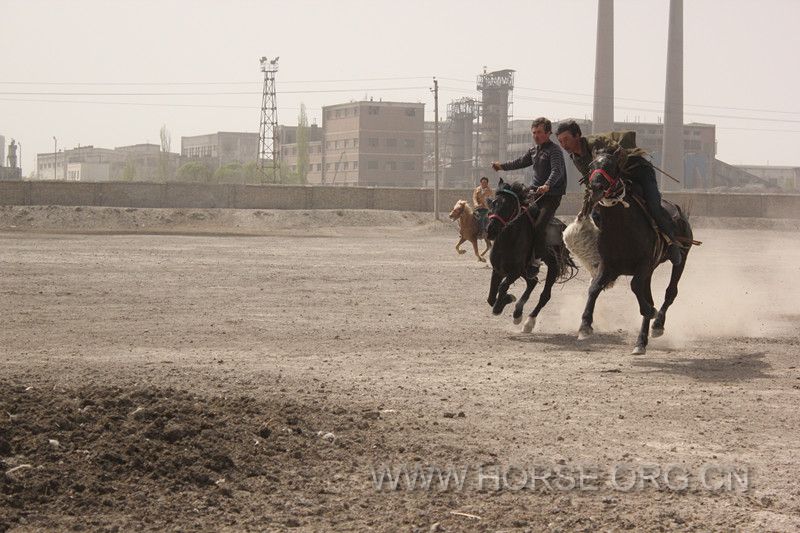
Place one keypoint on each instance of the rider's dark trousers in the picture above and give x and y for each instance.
(547, 209)
(645, 176)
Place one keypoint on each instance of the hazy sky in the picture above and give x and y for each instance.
(98, 63)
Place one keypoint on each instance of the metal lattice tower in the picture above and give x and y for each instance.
(268, 132)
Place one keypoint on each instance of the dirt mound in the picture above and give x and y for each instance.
(96, 451)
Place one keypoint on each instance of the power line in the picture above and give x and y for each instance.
(217, 93)
(343, 80)
(179, 83)
(210, 106)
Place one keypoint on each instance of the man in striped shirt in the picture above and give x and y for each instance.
(549, 179)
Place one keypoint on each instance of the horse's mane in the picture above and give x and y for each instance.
(467, 208)
(518, 188)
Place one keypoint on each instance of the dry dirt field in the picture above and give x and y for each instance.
(261, 370)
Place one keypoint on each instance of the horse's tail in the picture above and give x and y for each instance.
(567, 269)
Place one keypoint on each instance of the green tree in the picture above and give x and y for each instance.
(195, 172)
(230, 173)
(250, 173)
(302, 145)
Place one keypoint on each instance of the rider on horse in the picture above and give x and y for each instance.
(482, 198)
(549, 181)
(635, 168)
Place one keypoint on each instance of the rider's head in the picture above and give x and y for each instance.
(541, 130)
(484, 181)
(569, 136)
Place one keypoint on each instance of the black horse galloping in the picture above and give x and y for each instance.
(629, 245)
(511, 230)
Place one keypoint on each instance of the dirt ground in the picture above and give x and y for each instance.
(267, 370)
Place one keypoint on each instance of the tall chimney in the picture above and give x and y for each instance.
(672, 148)
(603, 115)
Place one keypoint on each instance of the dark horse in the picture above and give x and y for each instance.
(629, 246)
(511, 230)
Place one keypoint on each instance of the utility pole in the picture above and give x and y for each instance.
(268, 131)
(436, 148)
(55, 156)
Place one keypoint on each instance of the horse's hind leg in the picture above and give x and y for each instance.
(461, 241)
(552, 273)
(488, 247)
(669, 297)
(475, 247)
(641, 287)
(531, 283)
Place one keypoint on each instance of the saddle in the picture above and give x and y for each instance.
(481, 217)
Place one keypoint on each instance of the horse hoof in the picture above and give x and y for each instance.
(529, 324)
(481, 259)
(461, 252)
(657, 332)
(639, 350)
(511, 298)
(518, 320)
(585, 333)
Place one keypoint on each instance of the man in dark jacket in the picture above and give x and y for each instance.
(549, 179)
(638, 169)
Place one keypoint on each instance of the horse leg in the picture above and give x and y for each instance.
(640, 285)
(552, 273)
(488, 247)
(598, 284)
(669, 297)
(531, 283)
(503, 298)
(475, 247)
(496, 277)
(461, 241)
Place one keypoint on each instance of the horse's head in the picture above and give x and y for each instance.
(457, 210)
(508, 203)
(604, 175)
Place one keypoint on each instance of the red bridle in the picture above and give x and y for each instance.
(517, 209)
(612, 182)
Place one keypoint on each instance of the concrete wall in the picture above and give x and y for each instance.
(193, 195)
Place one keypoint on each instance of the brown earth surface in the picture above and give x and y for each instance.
(261, 370)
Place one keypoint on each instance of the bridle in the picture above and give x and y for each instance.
(618, 196)
(517, 208)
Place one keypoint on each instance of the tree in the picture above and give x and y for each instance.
(302, 145)
(163, 161)
(230, 173)
(195, 172)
